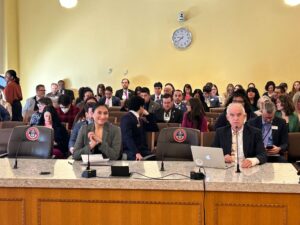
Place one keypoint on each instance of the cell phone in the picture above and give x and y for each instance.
(45, 173)
(269, 147)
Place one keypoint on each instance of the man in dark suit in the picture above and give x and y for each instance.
(63, 91)
(178, 100)
(240, 138)
(274, 132)
(108, 99)
(133, 129)
(124, 93)
(150, 105)
(168, 113)
(157, 97)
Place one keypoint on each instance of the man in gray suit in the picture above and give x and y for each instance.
(150, 105)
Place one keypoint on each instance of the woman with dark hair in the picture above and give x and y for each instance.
(199, 94)
(194, 117)
(13, 94)
(253, 96)
(100, 91)
(238, 96)
(286, 111)
(80, 95)
(215, 93)
(36, 116)
(296, 88)
(251, 85)
(270, 88)
(99, 137)
(187, 92)
(238, 87)
(50, 119)
(137, 91)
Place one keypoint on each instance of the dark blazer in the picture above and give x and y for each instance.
(222, 120)
(252, 142)
(110, 146)
(119, 93)
(152, 107)
(153, 98)
(279, 135)
(176, 116)
(133, 136)
(115, 101)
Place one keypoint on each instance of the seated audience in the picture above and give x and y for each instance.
(134, 140)
(211, 101)
(87, 93)
(296, 101)
(215, 93)
(168, 113)
(199, 94)
(270, 88)
(50, 119)
(5, 104)
(108, 99)
(187, 92)
(66, 111)
(36, 116)
(178, 100)
(238, 96)
(274, 132)
(253, 96)
(99, 137)
(169, 89)
(285, 87)
(54, 94)
(137, 91)
(260, 104)
(63, 91)
(286, 111)
(31, 103)
(125, 92)
(194, 117)
(86, 117)
(228, 93)
(81, 114)
(157, 97)
(250, 145)
(149, 105)
(238, 87)
(13, 94)
(296, 88)
(4, 114)
(279, 91)
(100, 92)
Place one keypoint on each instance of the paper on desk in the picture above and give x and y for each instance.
(94, 158)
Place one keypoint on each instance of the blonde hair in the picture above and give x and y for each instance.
(296, 98)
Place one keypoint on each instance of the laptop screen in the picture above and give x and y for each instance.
(2, 82)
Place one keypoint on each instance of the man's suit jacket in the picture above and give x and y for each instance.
(279, 134)
(252, 142)
(152, 97)
(153, 107)
(176, 116)
(115, 101)
(119, 93)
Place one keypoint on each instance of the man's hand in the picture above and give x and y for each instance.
(246, 163)
(275, 150)
(228, 158)
(138, 157)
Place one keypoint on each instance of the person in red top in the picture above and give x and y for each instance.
(194, 117)
(13, 94)
(66, 111)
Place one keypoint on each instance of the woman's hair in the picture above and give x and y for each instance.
(270, 83)
(230, 85)
(251, 84)
(13, 74)
(55, 119)
(256, 97)
(197, 112)
(215, 86)
(293, 88)
(46, 101)
(296, 99)
(137, 89)
(242, 94)
(287, 104)
(81, 114)
(100, 88)
(189, 87)
(97, 105)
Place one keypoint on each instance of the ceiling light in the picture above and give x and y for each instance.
(68, 3)
(292, 2)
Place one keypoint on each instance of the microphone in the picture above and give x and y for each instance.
(88, 173)
(162, 165)
(237, 152)
(16, 157)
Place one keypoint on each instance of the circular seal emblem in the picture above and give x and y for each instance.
(179, 135)
(32, 134)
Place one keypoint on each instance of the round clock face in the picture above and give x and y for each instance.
(182, 38)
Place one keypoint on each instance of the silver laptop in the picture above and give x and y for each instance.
(209, 157)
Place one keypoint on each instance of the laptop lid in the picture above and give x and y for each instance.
(209, 157)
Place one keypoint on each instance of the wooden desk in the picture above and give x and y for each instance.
(268, 195)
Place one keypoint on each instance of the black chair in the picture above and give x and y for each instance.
(31, 142)
(174, 143)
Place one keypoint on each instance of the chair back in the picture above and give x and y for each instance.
(4, 137)
(31, 142)
(11, 124)
(294, 150)
(174, 143)
(207, 138)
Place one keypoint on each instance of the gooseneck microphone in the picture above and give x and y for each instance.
(16, 157)
(237, 151)
(88, 173)
(162, 165)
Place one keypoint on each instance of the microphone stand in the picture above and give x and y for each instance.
(16, 157)
(162, 165)
(237, 152)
